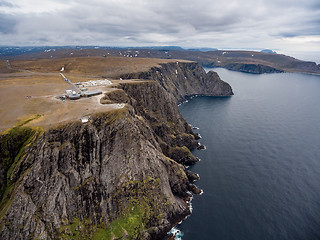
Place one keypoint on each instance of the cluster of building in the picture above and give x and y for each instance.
(80, 88)
(73, 95)
(94, 83)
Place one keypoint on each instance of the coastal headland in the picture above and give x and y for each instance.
(100, 167)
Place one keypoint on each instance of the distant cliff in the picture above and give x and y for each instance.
(118, 175)
(251, 68)
(185, 79)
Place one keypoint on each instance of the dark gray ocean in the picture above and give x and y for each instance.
(260, 172)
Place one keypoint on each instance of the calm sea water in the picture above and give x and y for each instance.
(261, 170)
(313, 56)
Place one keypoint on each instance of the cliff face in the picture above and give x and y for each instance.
(252, 68)
(119, 175)
(185, 79)
(77, 179)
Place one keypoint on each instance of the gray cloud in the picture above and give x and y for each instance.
(189, 23)
(6, 4)
(8, 23)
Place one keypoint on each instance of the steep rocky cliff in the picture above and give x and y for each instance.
(77, 180)
(252, 68)
(117, 176)
(183, 79)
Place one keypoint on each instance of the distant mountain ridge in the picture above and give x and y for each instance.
(268, 51)
(16, 50)
(266, 61)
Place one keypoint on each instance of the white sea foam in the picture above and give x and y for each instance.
(183, 102)
(190, 202)
(177, 233)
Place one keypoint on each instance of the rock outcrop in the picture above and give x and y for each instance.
(252, 68)
(183, 79)
(118, 175)
(76, 180)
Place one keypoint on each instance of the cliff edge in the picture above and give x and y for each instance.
(183, 79)
(119, 175)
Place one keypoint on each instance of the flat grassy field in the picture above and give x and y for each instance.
(30, 87)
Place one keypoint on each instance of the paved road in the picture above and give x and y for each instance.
(74, 87)
(9, 64)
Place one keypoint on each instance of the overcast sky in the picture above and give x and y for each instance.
(243, 24)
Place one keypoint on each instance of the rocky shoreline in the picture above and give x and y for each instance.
(118, 175)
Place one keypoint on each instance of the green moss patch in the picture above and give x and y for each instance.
(129, 225)
(116, 96)
(108, 117)
(85, 182)
(139, 206)
(12, 151)
(77, 229)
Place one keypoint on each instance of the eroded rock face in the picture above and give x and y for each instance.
(119, 175)
(183, 79)
(92, 173)
(214, 86)
(252, 68)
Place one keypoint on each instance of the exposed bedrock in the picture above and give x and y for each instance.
(183, 79)
(120, 175)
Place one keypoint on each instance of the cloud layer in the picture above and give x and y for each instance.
(277, 24)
